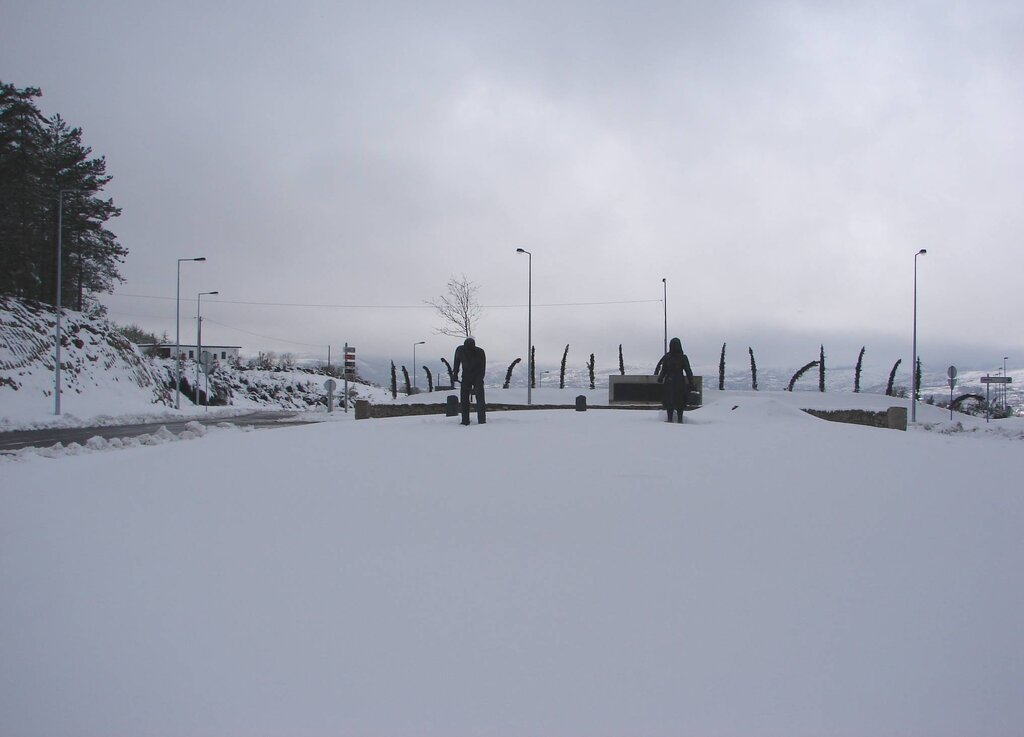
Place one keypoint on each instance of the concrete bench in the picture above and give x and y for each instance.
(641, 389)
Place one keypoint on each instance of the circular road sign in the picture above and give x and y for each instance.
(951, 372)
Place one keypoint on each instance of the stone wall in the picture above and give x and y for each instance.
(894, 418)
(365, 410)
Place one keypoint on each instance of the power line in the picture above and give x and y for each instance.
(390, 307)
(268, 337)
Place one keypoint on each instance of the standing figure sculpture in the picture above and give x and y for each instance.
(677, 376)
(473, 362)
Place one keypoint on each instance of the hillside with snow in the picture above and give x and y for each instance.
(106, 379)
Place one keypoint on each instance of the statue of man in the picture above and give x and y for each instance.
(473, 361)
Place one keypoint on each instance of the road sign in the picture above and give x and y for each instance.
(350, 362)
(996, 379)
(951, 372)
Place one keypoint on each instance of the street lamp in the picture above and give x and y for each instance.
(664, 302)
(422, 342)
(199, 340)
(177, 335)
(56, 340)
(1003, 386)
(913, 367)
(529, 327)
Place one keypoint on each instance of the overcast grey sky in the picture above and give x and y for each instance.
(779, 163)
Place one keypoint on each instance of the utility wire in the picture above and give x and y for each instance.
(268, 337)
(390, 307)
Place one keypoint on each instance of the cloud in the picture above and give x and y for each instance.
(779, 163)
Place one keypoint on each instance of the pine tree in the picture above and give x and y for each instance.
(451, 374)
(430, 379)
(533, 367)
(90, 252)
(622, 366)
(917, 380)
(48, 174)
(23, 202)
(721, 370)
(856, 371)
(561, 374)
(821, 370)
(590, 365)
(753, 370)
(892, 378)
(394, 381)
(408, 386)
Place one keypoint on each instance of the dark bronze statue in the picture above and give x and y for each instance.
(677, 376)
(473, 361)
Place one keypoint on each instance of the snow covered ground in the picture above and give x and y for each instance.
(755, 571)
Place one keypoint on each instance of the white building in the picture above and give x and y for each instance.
(166, 350)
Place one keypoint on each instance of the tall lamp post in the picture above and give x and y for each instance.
(56, 340)
(199, 337)
(529, 327)
(1003, 386)
(177, 335)
(414, 371)
(913, 367)
(664, 302)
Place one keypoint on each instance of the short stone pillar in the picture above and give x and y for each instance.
(362, 409)
(581, 403)
(896, 418)
(451, 407)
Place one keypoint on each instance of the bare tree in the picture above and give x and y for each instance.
(459, 308)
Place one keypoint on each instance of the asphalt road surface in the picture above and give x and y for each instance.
(45, 438)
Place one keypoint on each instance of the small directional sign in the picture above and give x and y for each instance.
(996, 379)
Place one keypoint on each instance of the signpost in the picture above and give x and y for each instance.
(349, 368)
(329, 386)
(988, 381)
